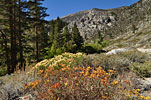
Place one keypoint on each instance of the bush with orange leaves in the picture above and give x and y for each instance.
(80, 83)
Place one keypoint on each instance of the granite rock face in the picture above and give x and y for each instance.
(91, 21)
(130, 23)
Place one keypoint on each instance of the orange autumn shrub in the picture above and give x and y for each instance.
(80, 83)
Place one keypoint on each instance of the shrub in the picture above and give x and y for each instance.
(50, 52)
(134, 56)
(143, 70)
(105, 43)
(92, 48)
(67, 59)
(121, 61)
(108, 62)
(59, 52)
(79, 83)
(3, 71)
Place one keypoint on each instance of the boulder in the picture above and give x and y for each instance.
(115, 51)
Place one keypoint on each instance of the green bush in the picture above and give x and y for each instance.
(51, 52)
(143, 70)
(3, 71)
(105, 43)
(59, 52)
(92, 48)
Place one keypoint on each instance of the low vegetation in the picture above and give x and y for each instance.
(69, 76)
(143, 69)
(3, 71)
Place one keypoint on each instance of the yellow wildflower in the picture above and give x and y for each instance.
(137, 89)
(142, 97)
(61, 78)
(115, 82)
(63, 69)
(148, 97)
(82, 72)
(66, 84)
(87, 73)
(111, 71)
(63, 65)
(48, 80)
(105, 97)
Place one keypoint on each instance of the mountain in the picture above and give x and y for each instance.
(124, 26)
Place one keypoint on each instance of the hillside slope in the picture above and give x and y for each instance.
(127, 26)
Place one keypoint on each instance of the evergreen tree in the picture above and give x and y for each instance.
(51, 33)
(22, 19)
(44, 41)
(59, 24)
(37, 13)
(66, 36)
(14, 27)
(4, 54)
(77, 38)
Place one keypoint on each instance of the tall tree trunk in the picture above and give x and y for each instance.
(36, 33)
(37, 43)
(20, 38)
(13, 36)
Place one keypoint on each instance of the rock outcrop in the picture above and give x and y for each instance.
(128, 25)
(91, 21)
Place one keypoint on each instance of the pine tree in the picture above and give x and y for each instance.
(15, 21)
(66, 35)
(77, 38)
(37, 13)
(22, 26)
(4, 54)
(57, 31)
(44, 41)
(51, 33)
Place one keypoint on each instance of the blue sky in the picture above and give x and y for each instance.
(65, 7)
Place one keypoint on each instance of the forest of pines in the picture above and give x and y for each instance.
(25, 35)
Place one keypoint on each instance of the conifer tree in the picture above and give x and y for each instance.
(4, 54)
(22, 19)
(77, 38)
(51, 33)
(37, 13)
(66, 35)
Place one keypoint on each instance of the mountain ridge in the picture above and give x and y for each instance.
(114, 23)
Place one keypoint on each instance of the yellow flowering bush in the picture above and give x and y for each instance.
(63, 79)
(66, 59)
